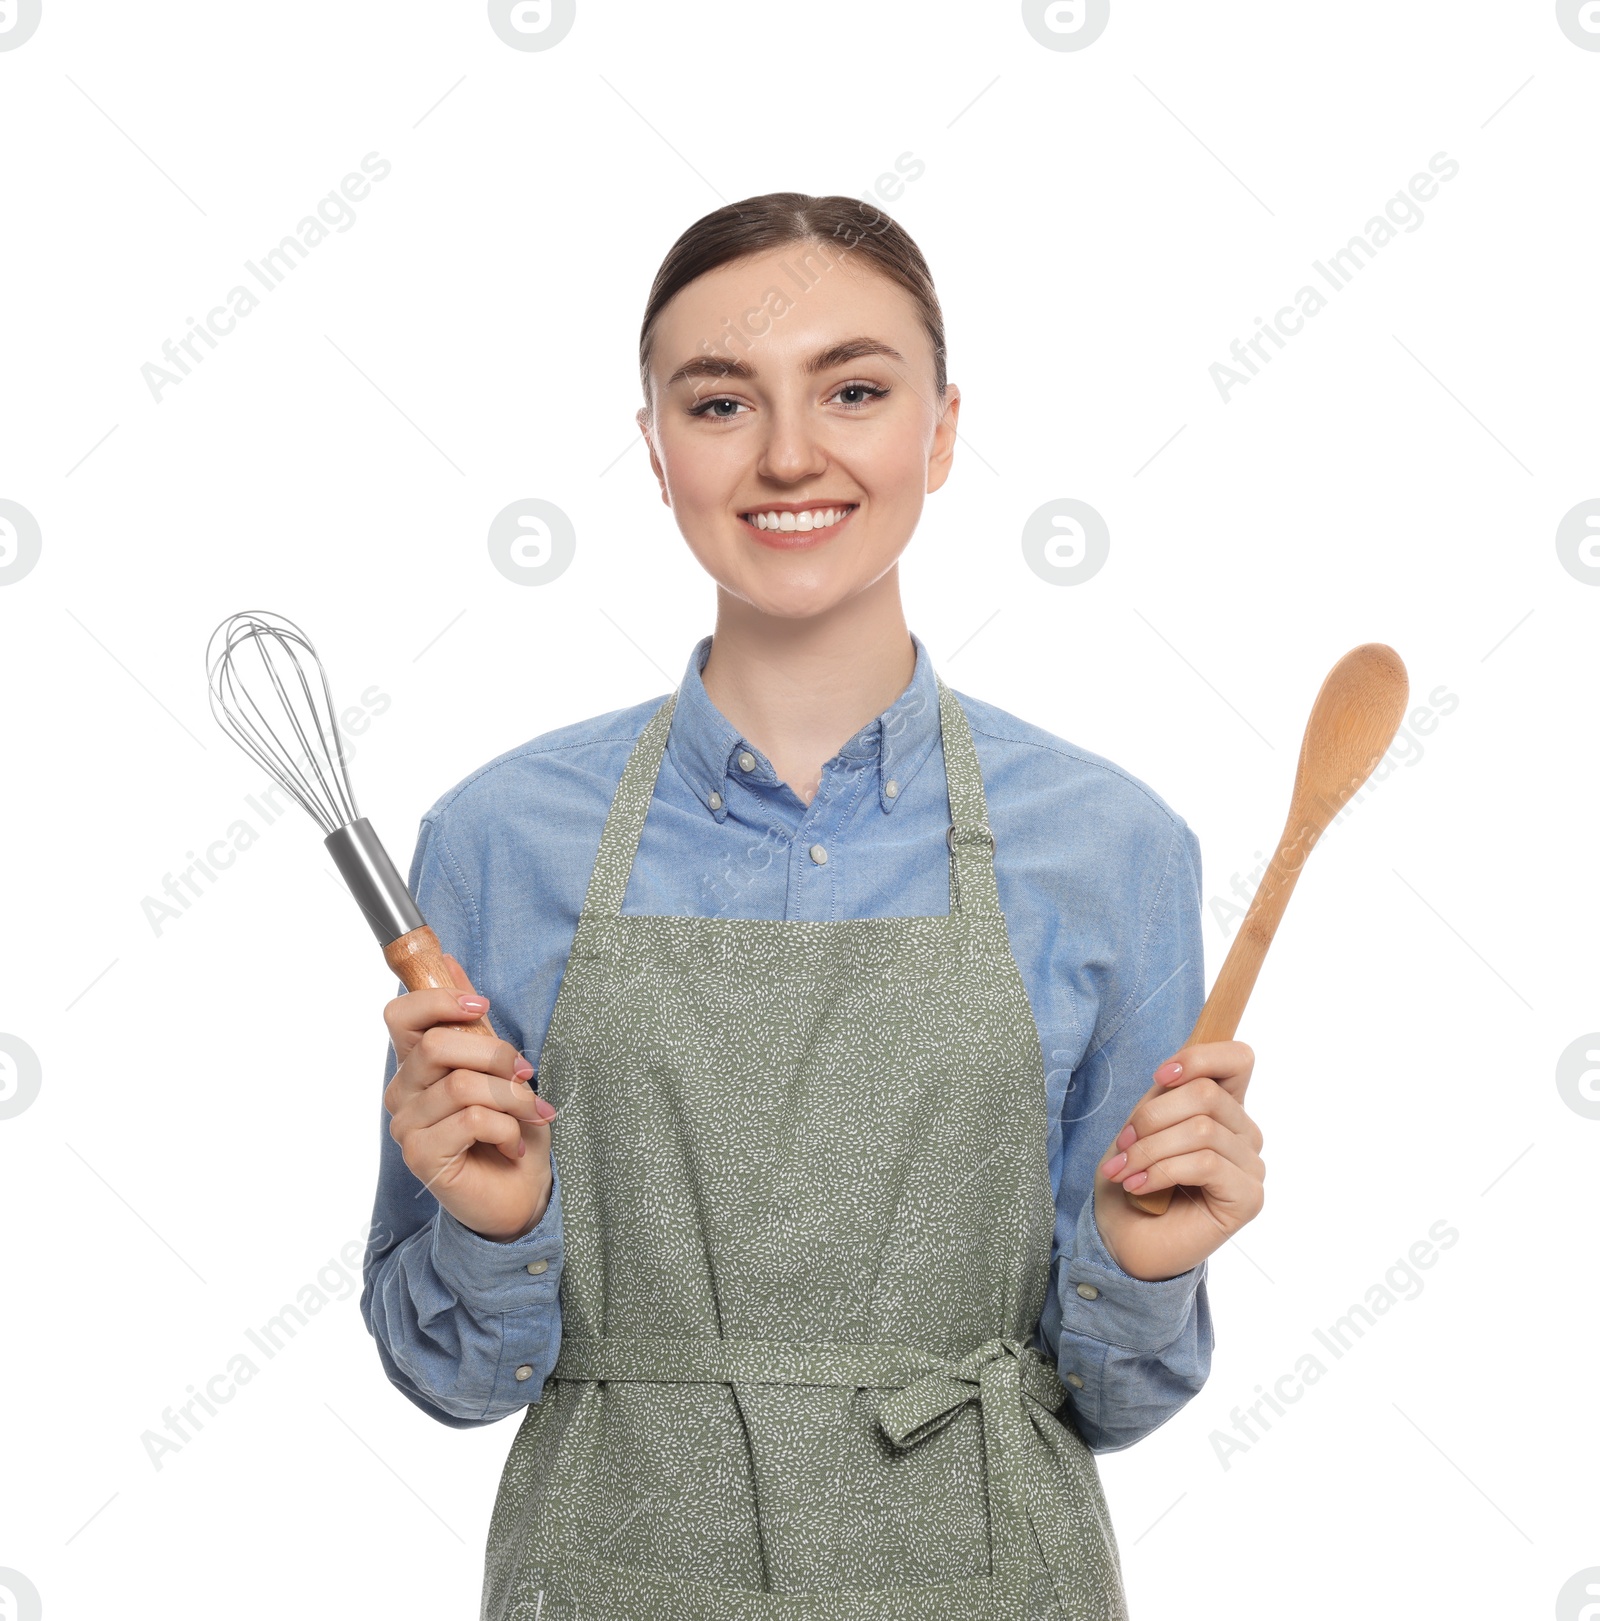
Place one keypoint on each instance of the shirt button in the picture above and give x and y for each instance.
(891, 787)
(819, 854)
(1073, 1379)
(1088, 1291)
(715, 801)
(536, 1267)
(747, 761)
(524, 1372)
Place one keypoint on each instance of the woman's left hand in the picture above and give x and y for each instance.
(1188, 1132)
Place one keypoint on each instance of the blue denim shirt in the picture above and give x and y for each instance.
(1100, 884)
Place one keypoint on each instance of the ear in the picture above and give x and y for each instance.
(642, 417)
(944, 438)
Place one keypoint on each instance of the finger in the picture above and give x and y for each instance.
(463, 1089)
(1225, 1182)
(1198, 1134)
(437, 1145)
(409, 1015)
(1201, 1096)
(1227, 1062)
(441, 1049)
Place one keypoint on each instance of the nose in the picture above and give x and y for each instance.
(791, 451)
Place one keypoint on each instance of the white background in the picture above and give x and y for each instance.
(1101, 224)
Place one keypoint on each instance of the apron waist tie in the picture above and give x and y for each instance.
(1002, 1375)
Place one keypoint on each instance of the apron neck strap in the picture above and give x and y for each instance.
(971, 844)
(972, 885)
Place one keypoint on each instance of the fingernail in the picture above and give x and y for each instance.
(1136, 1181)
(1127, 1138)
(547, 1110)
(1112, 1166)
(1169, 1071)
(523, 1070)
(522, 1148)
(474, 1004)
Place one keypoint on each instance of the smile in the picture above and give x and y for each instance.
(811, 520)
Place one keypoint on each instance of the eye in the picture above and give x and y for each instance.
(871, 390)
(707, 408)
(704, 408)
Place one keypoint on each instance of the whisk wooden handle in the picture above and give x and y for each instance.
(418, 961)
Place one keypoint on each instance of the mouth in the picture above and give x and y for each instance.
(796, 526)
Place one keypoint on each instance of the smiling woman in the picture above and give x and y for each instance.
(813, 1294)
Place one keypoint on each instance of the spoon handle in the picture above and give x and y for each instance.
(1224, 1007)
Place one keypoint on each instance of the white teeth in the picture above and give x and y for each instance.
(822, 518)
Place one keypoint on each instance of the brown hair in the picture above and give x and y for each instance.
(758, 224)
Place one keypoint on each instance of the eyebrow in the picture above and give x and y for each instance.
(837, 354)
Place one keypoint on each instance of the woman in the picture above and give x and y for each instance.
(802, 1292)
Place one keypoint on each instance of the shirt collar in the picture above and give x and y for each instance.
(707, 749)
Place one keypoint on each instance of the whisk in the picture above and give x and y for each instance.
(258, 655)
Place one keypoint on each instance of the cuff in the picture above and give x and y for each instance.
(495, 1277)
(1099, 1301)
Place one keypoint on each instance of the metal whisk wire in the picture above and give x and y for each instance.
(276, 655)
(272, 655)
(318, 776)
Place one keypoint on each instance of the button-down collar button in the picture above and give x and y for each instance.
(747, 761)
(536, 1267)
(523, 1373)
(715, 801)
(1088, 1291)
(891, 787)
(1073, 1379)
(819, 854)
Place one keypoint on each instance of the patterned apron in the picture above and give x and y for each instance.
(807, 1220)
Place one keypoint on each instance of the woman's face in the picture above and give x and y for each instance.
(824, 402)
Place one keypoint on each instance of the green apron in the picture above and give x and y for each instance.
(807, 1216)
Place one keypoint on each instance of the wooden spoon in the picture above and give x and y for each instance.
(1352, 724)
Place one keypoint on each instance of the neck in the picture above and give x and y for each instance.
(799, 688)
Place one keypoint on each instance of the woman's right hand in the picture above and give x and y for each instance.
(471, 1129)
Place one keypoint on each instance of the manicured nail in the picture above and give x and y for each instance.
(1112, 1166)
(522, 1148)
(474, 1004)
(1169, 1071)
(523, 1070)
(1136, 1181)
(1127, 1138)
(547, 1110)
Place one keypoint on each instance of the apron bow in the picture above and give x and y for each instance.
(1005, 1367)
(1030, 1499)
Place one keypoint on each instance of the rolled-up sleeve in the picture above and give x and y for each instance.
(1132, 1351)
(467, 1328)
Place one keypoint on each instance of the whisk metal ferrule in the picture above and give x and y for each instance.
(379, 889)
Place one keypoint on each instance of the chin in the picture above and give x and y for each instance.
(788, 599)
(793, 604)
